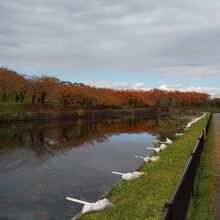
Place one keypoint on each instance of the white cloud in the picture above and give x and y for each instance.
(140, 86)
(161, 38)
(135, 86)
(212, 91)
(100, 84)
(115, 36)
(121, 85)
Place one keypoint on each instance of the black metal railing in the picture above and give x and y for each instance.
(177, 207)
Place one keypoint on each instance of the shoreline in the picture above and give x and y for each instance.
(129, 197)
(93, 114)
(81, 113)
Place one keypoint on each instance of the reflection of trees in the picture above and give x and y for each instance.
(63, 135)
(40, 137)
(12, 135)
(55, 136)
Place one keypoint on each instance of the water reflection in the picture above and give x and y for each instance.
(40, 164)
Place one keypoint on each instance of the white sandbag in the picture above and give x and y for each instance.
(156, 149)
(195, 120)
(168, 141)
(130, 176)
(154, 158)
(147, 159)
(178, 134)
(163, 146)
(92, 207)
(97, 206)
(52, 142)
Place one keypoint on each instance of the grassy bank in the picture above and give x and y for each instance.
(144, 198)
(201, 207)
(209, 109)
(10, 108)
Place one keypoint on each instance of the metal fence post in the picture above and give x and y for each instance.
(169, 207)
(204, 130)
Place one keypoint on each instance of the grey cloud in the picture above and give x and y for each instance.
(110, 35)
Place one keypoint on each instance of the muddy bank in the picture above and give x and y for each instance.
(76, 114)
(95, 114)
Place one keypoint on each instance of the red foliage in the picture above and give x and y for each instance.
(50, 89)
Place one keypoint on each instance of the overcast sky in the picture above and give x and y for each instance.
(140, 44)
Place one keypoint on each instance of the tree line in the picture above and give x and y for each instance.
(46, 89)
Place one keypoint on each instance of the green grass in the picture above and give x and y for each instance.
(144, 198)
(10, 107)
(209, 109)
(11, 99)
(201, 207)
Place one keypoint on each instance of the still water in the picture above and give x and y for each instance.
(41, 164)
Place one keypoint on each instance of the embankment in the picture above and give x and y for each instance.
(80, 113)
(144, 198)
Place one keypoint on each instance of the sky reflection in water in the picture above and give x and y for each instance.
(42, 164)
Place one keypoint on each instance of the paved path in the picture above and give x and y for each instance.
(217, 140)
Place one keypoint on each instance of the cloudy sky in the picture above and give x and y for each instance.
(137, 44)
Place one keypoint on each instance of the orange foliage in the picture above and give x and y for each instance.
(49, 89)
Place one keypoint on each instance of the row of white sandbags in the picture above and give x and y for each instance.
(136, 174)
(104, 203)
(195, 120)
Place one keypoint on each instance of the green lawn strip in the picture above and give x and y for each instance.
(144, 198)
(10, 107)
(201, 207)
(209, 109)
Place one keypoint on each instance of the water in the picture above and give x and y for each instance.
(41, 164)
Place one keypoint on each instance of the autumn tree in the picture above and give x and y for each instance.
(42, 87)
(216, 102)
(12, 83)
(20, 88)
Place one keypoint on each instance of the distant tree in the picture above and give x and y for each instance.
(12, 83)
(43, 86)
(164, 102)
(174, 103)
(216, 102)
